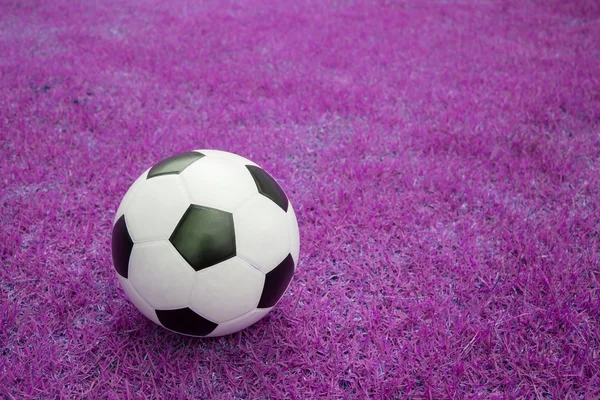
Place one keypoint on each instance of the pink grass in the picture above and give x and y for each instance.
(443, 158)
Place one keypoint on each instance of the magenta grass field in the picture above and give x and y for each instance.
(443, 158)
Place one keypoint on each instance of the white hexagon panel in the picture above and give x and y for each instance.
(239, 323)
(156, 208)
(129, 195)
(137, 300)
(160, 275)
(262, 233)
(219, 183)
(294, 234)
(227, 290)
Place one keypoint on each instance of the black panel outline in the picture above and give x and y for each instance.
(275, 279)
(174, 165)
(268, 186)
(184, 314)
(192, 263)
(121, 243)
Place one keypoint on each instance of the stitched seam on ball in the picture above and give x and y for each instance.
(244, 203)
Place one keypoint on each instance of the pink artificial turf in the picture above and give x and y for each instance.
(443, 158)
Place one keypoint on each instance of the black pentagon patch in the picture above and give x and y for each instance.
(121, 245)
(175, 164)
(186, 321)
(268, 186)
(276, 282)
(204, 236)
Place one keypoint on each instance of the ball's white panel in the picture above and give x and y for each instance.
(218, 183)
(294, 234)
(227, 155)
(129, 195)
(160, 275)
(156, 208)
(240, 323)
(262, 233)
(137, 300)
(227, 290)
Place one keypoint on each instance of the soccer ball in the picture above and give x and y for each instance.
(205, 243)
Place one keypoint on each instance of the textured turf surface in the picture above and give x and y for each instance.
(442, 157)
